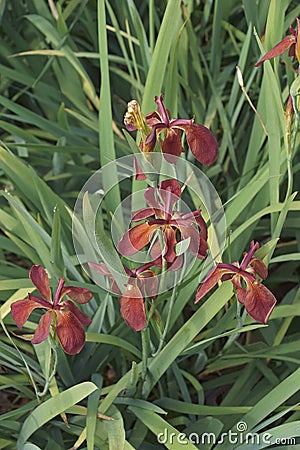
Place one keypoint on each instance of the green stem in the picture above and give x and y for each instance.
(166, 328)
(240, 322)
(145, 351)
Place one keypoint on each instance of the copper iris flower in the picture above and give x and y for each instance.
(290, 42)
(154, 125)
(257, 299)
(66, 318)
(141, 283)
(174, 225)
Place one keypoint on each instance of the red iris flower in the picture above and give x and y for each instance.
(161, 202)
(291, 42)
(67, 319)
(200, 140)
(142, 283)
(257, 299)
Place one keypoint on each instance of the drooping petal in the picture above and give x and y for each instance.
(210, 281)
(202, 143)
(201, 223)
(172, 145)
(153, 118)
(40, 279)
(70, 332)
(198, 244)
(133, 308)
(279, 49)
(259, 302)
(79, 295)
(43, 329)
(152, 136)
(239, 290)
(22, 309)
(259, 267)
(136, 238)
(142, 214)
(76, 311)
(170, 243)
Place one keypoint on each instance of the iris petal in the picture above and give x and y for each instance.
(202, 143)
(43, 329)
(22, 309)
(79, 295)
(172, 145)
(136, 238)
(259, 302)
(133, 308)
(210, 281)
(76, 311)
(39, 278)
(280, 48)
(70, 332)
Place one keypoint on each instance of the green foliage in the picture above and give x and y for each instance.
(68, 69)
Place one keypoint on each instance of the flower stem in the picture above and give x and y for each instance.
(145, 351)
(166, 328)
(240, 322)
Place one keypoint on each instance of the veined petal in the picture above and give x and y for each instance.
(22, 309)
(40, 279)
(153, 118)
(76, 311)
(198, 245)
(43, 329)
(70, 332)
(239, 290)
(172, 145)
(142, 214)
(259, 302)
(210, 281)
(151, 138)
(133, 308)
(201, 223)
(259, 267)
(136, 238)
(202, 143)
(79, 295)
(279, 48)
(170, 243)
